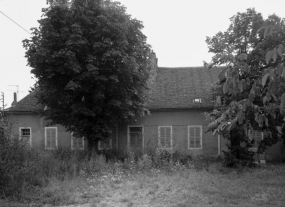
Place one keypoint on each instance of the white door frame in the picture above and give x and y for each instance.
(128, 135)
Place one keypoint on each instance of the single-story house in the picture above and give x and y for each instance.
(178, 98)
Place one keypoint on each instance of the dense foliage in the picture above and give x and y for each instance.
(92, 65)
(250, 91)
(14, 173)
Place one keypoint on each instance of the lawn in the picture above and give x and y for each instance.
(176, 186)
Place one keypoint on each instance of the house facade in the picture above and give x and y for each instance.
(178, 99)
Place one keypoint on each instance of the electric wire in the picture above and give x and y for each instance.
(15, 22)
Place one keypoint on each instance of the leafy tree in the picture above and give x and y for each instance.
(250, 91)
(92, 64)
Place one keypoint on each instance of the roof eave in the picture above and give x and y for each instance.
(182, 109)
(21, 112)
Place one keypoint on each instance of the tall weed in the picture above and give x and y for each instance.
(17, 163)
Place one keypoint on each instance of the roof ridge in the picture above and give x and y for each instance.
(174, 88)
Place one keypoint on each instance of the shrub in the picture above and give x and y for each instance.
(22, 169)
(162, 157)
(145, 162)
(182, 156)
(245, 159)
(114, 155)
(17, 163)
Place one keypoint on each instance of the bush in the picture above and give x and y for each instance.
(145, 162)
(114, 155)
(182, 157)
(245, 160)
(17, 163)
(24, 171)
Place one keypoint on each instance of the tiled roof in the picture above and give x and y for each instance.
(173, 88)
(27, 104)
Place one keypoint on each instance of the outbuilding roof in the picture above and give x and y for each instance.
(173, 88)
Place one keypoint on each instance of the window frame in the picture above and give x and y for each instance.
(110, 144)
(129, 138)
(56, 139)
(201, 137)
(72, 143)
(20, 134)
(111, 140)
(255, 146)
(171, 137)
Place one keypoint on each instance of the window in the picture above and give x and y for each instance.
(25, 134)
(165, 136)
(50, 138)
(195, 137)
(257, 136)
(105, 145)
(135, 137)
(77, 143)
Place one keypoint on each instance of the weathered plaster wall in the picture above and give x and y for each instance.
(38, 125)
(179, 120)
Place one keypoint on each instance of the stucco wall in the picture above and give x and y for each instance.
(179, 120)
(38, 125)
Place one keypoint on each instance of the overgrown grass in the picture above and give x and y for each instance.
(179, 186)
(155, 178)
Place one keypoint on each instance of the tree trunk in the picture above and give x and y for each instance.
(235, 143)
(90, 149)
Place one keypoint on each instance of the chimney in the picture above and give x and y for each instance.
(15, 99)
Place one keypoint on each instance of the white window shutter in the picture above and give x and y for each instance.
(77, 143)
(191, 135)
(195, 137)
(168, 137)
(72, 141)
(162, 135)
(165, 136)
(80, 143)
(51, 137)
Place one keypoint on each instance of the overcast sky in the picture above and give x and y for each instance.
(176, 30)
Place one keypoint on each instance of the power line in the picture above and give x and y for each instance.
(15, 22)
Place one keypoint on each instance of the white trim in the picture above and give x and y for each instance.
(128, 135)
(111, 140)
(20, 138)
(201, 136)
(56, 138)
(171, 136)
(110, 143)
(72, 143)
